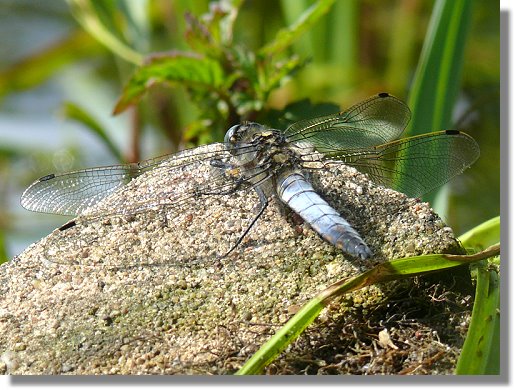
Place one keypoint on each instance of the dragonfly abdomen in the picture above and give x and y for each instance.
(298, 194)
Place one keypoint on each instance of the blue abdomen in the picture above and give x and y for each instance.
(297, 193)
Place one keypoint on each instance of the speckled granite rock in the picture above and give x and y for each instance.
(147, 293)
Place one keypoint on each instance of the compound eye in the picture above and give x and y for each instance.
(230, 135)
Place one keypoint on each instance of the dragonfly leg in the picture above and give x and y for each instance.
(237, 184)
(217, 163)
(238, 181)
(263, 200)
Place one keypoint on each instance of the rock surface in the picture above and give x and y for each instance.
(148, 293)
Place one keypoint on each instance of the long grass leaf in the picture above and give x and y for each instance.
(72, 111)
(481, 349)
(392, 270)
(45, 63)
(3, 249)
(480, 353)
(483, 235)
(286, 36)
(84, 12)
(438, 76)
(291, 10)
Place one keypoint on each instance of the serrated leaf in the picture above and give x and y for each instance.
(186, 68)
(214, 29)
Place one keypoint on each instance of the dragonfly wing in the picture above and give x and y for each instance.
(375, 121)
(179, 186)
(418, 164)
(73, 193)
(200, 192)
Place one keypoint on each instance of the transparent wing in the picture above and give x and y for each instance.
(76, 192)
(414, 165)
(375, 121)
(71, 193)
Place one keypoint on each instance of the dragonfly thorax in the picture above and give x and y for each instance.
(248, 132)
(255, 145)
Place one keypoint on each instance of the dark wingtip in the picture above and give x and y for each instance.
(47, 177)
(452, 132)
(68, 225)
(383, 94)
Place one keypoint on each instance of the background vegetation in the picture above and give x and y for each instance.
(64, 66)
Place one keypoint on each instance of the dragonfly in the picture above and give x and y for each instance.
(273, 163)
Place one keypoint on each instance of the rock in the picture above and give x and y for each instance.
(181, 308)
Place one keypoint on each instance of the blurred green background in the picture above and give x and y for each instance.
(65, 65)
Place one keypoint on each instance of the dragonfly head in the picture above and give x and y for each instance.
(242, 133)
(231, 135)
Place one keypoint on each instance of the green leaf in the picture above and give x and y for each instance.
(343, 40)
(402, 51)
(212, 31)
(280, 72)
(286, 36)
(438, 76)
(72, 111)
(481, 351)
(187, 68)
(40, 66)
(94, 17)
(391, 270)
(138, 22)
(483, 235)
(306, 45)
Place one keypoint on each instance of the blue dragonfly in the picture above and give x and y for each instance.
(273, 162)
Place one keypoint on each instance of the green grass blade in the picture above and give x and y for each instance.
(401, 51)
(437, 79)
(138, 23)
(481, 353)
(343, 40)
(392, 270)
(43, 64)
(271, 349)
(72, 111)
(481, 349)
(483, 235)
(84, 12)
(286, 36)
(291, 10)
(438, 76)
